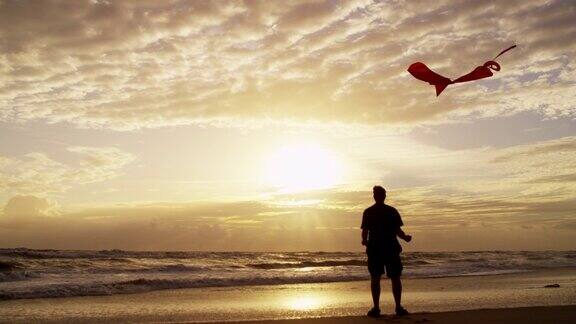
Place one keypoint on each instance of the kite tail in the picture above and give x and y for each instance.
(504, 51)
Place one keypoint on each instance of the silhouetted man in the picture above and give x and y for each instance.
(380, 227)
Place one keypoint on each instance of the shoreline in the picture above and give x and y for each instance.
(297, 301)
(248, 285)
(55, 273)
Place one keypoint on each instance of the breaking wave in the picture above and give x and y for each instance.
(26, 273)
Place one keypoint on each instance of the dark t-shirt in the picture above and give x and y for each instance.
(382, 222)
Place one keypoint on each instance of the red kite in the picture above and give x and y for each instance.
(421, 72)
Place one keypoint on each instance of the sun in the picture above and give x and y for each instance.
(301, 167)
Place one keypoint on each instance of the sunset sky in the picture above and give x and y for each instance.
(263, 125)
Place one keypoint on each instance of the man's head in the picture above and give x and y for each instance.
(379, 194)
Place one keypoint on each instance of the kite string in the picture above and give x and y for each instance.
(504, 51)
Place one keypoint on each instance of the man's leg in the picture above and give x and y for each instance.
(375, 286)
(397, 291)
(394, 271)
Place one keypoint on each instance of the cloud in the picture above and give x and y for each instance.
(542, 168)
(328, 220)
(98, 163)
(139, 64)
(483, 198)
(19, 207)
(565, 145)
(562, 178)
(36, 173)
(22, 212)
(135, 64)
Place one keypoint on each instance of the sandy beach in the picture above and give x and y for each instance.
(341, 302)
(524, 315)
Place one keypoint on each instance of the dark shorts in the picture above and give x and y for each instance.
(378, 262)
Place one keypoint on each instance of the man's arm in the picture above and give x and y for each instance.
(403, 235)
(364, 228)
(400, 232)
(364, 236)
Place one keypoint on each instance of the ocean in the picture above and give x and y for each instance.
(28, 273)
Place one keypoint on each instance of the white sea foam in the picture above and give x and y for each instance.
(26, 273)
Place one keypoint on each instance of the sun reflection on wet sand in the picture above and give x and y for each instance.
(303, 303)
(299, 300)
